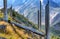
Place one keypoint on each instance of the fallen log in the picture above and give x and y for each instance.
(29, 29)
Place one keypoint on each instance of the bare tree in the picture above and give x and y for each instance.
(47, 20)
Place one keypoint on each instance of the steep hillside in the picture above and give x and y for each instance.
(23, 20)
(13, 32)
(18, 18)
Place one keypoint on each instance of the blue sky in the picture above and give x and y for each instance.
(14, 2)
(54, 3)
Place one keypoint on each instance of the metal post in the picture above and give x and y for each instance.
(5, 10)
(47, 20)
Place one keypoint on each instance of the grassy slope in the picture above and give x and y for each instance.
(21, 19)
(24, 20)
(20, 33)
(55, 34)
(10, 34)
(13, 35)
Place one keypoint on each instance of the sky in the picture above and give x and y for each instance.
(13, 2)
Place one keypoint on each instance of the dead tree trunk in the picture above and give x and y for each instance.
(47, 20)
(5, 10)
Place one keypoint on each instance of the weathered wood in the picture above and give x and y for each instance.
(47, 20)
(28, 28)
(5, 10)
(11, 11)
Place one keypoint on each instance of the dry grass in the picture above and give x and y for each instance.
(11, 34)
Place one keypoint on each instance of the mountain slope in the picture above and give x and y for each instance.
(13, 32)
(24, 20)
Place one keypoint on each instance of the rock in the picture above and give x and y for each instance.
(2, 28)
(2, 38)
